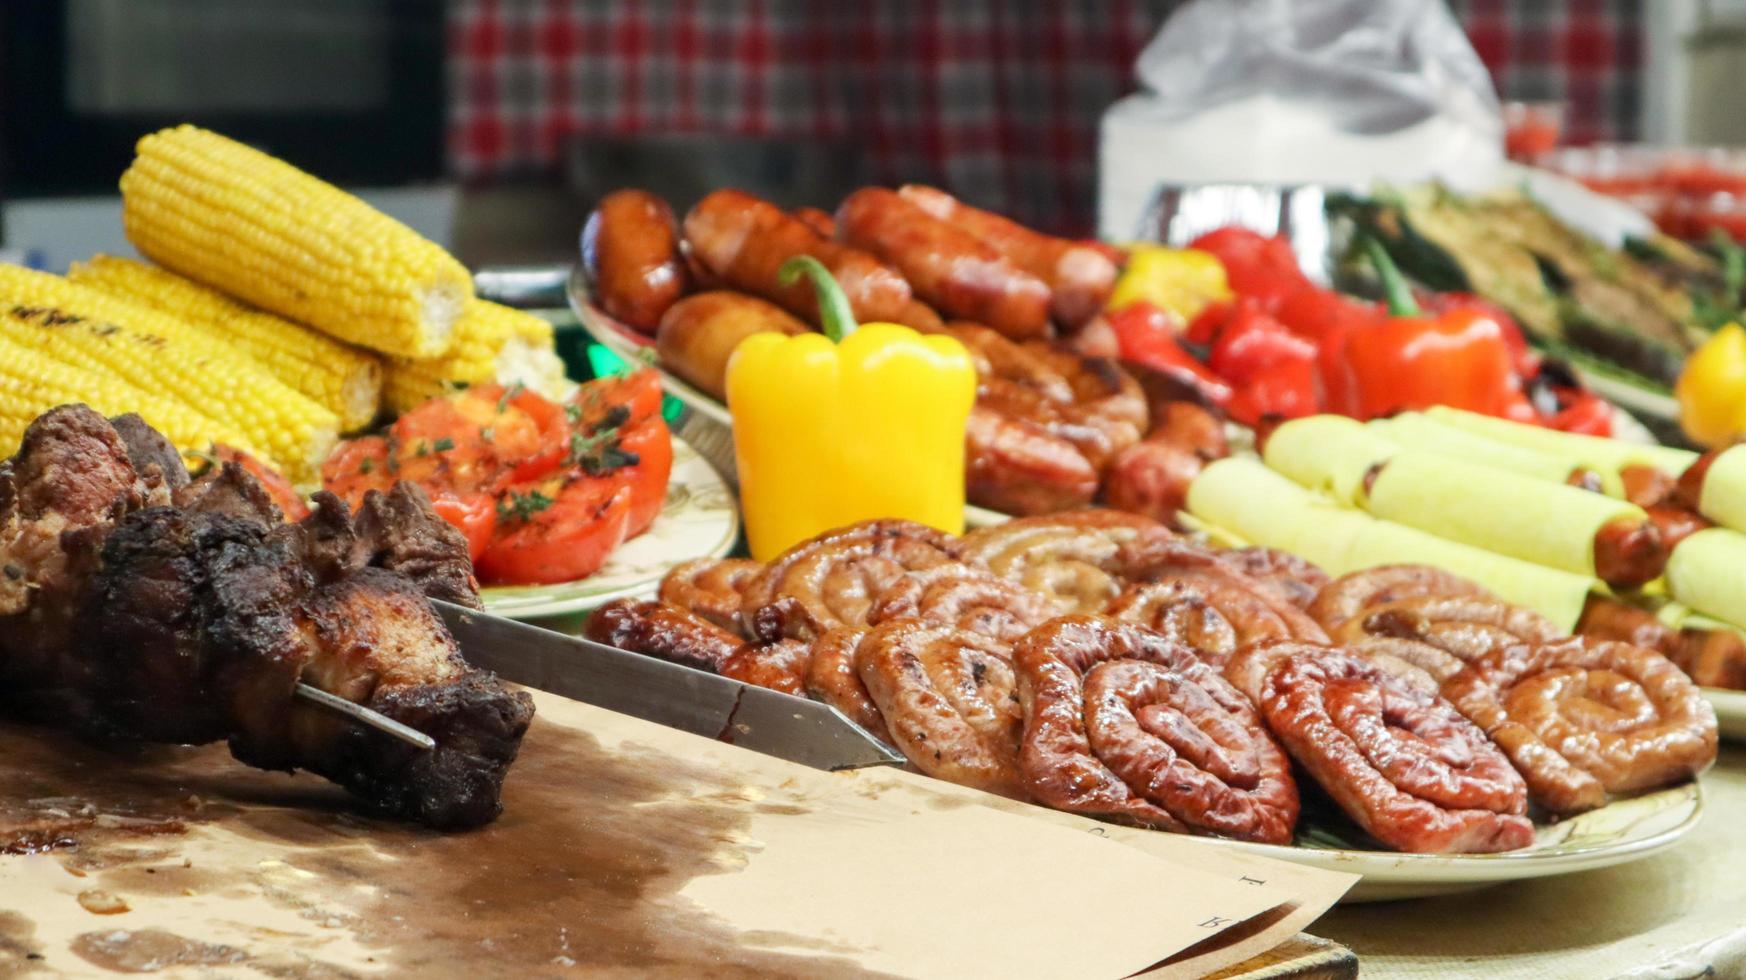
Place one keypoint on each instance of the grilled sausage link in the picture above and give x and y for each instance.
(951, 269)
(1629, 552)
(1079, 278)
(630, 252)
(699, 333)
(743, 241)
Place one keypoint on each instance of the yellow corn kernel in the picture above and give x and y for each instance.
(31, 383)
(254, 226)
(158, 353)
(345, 379)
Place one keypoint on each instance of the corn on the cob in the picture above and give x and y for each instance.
(343, 378)
(97, 332)
(261, 230)
(492, 344)
(32, 383)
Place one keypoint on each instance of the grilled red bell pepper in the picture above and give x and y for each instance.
(1146, 336)
(1259, 267)
(1315, 312)
(1273, 370)
(1460, 357)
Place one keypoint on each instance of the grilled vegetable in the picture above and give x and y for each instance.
(1574, 296)
(493, 344)
(94, 331)
(260, 229)
(344, 379)
(32, 383)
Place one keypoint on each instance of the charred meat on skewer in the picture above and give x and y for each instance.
(140, 604)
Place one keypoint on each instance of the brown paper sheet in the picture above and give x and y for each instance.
(625, 849)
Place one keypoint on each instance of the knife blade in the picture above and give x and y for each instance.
(797, 729)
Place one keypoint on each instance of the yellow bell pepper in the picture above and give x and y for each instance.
(1712, 389)
(846, 426)
(1181, 281)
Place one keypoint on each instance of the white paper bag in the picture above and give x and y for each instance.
(1333, 92)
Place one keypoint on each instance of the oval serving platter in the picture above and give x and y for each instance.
(1622, 831)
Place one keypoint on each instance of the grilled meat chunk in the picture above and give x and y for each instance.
(405, 534)
(70, 481)
(398, 531)
(157, 462)
(230, 489)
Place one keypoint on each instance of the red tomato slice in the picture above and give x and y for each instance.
(639, 392)
(474, 514)
(356, 467)
(568, 539)
(653, 447)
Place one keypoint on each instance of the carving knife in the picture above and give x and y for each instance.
(797, 729)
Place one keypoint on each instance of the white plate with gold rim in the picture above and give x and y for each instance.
(709, 425)
(1622, 831)
(700, 519)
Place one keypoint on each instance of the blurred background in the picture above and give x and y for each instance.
(492, 125)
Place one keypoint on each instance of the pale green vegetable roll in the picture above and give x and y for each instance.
(1265, 508)
(1262, 507)
(1546, 523)
(1723, 498)
(1708, 573)
(1420, 432)
(1593, 452)
(1329, 453)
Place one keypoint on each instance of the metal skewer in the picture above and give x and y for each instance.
(359, 713)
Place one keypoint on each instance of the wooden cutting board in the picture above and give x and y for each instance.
(625, 849)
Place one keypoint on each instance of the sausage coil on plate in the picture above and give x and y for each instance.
(630, 252)
(780, 665)
(1124, 724)
(1710, 657)
(1182, 585)
(831, 678)
(1283, 574)
(1354, 594)
(1070, 558)
(1404, 764)
(964, 596)
(833, 579)
(948, 699)
(1584, 718)
(713, 588)
(664, 631)
(1442, 634)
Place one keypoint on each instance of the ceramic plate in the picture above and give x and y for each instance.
(710, 423)
(699, 520)
(1730, 712)
(1626, 830)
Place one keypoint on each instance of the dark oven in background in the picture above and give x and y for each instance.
(82, 80)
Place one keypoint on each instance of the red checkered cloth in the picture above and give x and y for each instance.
(995, 100)
(1587, 54)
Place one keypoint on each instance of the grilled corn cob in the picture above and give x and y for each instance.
(94, 331)
(261, 230)
(493, 343)
(343, 378)
(32, 383)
